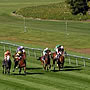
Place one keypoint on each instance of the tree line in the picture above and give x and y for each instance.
(78, 6)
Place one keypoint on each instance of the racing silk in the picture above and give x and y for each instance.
(20, 54)
(6, 56)
(44, 52)
(17, 57)
(57, 49)
(24, 54)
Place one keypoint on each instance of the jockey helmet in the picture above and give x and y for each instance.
(61, 47)
(46, 49)
(21, 47)
(18, 48)
(5, 53)
(8, 52)
(58, 46)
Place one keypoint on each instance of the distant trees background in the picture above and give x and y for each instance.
(78, 6)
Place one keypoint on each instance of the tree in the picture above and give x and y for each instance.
(78, 6)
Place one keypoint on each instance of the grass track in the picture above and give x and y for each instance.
(11, 30)
(71, 77)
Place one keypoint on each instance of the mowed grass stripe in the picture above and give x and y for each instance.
(8, 85)
(28, 83)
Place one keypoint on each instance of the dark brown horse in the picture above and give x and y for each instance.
(59, 60)
(20, 62)
(6, 64)
(45, 60)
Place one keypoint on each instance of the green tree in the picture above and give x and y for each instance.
(78, 6)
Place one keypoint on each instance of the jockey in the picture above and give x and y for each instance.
(23, 53)
(7, 55)
(21, 48)
(59, 50)
(45, 51)
(62, 50)
(19, 55)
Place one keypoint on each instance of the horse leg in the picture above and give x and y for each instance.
(16, 63)
(45, 67)
(3, 69)
(59, 65)
(19, 70)
(49, 67)
(9, 66)
(54, 65)
(25, 70)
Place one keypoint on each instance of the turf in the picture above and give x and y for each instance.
(55, 11)
(71, 77)
(41, 34)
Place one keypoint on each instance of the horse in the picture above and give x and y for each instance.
(59, 60)
(15, 62)
(6, 65)
(20, 62)
(45, 60)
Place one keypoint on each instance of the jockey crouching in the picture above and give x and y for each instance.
(44, 53)
(59, 51)
(23, 53)
(7, 60)
(7, 56)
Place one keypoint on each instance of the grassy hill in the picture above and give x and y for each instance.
(41, 33)
(56, 11)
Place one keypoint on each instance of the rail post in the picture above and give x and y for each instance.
(76, 61)
(69, 60)
(84, 62)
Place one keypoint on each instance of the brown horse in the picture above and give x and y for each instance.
(45, 60)
(20, 62)
(59, 60)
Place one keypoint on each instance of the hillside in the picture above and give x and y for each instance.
(56, 11)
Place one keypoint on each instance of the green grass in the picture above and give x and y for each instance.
(71, 77)
(56, 11)
(41, 34)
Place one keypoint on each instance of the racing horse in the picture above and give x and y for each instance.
(20, 62)
(45, 60)
(6, 65)
(15, 61)
(59, 60)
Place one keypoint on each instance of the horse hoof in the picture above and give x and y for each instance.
(13, 70)
(19, 72)
(25, 73)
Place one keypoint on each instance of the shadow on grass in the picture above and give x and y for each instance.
(68, 68)
(33, 68)
(27, 73)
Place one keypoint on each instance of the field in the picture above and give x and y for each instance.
(40, 34)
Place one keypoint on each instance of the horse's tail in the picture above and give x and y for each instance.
(39, 58)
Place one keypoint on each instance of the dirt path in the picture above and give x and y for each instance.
(83, 51)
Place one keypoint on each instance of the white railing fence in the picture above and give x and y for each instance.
(37, 52)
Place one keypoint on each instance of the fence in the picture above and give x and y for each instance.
(36, 52)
